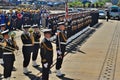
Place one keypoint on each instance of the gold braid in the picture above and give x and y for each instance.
(32, 38)
(25, 36)
(47, 47)
(65, 39)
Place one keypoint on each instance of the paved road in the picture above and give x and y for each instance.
(101, 59)
(98, 59)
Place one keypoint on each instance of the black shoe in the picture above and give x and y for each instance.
(36, 65)
(14, 69)
(62, 75)
(28, 72)
(50, 72)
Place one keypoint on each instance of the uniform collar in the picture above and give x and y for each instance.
(47, 39)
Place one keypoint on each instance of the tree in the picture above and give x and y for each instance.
(97, 5)
(76, 3)
(100, 4)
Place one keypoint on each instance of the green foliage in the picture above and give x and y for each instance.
(76, 3)
(100, 4)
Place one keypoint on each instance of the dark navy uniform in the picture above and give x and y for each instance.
(8, 55)
(36, 18)
(37, 36)
(14, 21)
(27, 48)
(46, 57)
(1, 51)
(2, 18)
(3, 27)
(26, 18)
(61, 46)
(8, 22)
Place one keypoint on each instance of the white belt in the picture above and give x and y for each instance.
(7, 53)
(36, 42)
(63, 43)
(27, 44)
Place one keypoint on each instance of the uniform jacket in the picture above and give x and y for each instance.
(46, 51)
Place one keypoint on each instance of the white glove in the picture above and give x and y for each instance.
(56, 34)
(46, 65)
(59, 52)
(60, 57)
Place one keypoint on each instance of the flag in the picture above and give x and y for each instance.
(66, 10)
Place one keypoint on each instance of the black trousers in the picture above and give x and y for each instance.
(107, 19)
(8, 64)
(1, 54)
(45, 72)
(35, 52)
(60, 60)
(27, 50)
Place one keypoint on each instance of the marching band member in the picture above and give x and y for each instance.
(61, 47)
(46, 54)
(2, 28)
(9, 47)
(27, 49)
(37, 36)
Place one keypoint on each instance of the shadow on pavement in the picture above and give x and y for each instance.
(1, 76)
(38, 68)
(99, 25)
(65, 78)
(31, 76)
(81, 52)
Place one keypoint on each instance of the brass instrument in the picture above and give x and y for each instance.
(31, 30)
(12, 34)
(3, 44)
(5, 47)
(1, 36)
(31, 35)
(8, 23)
